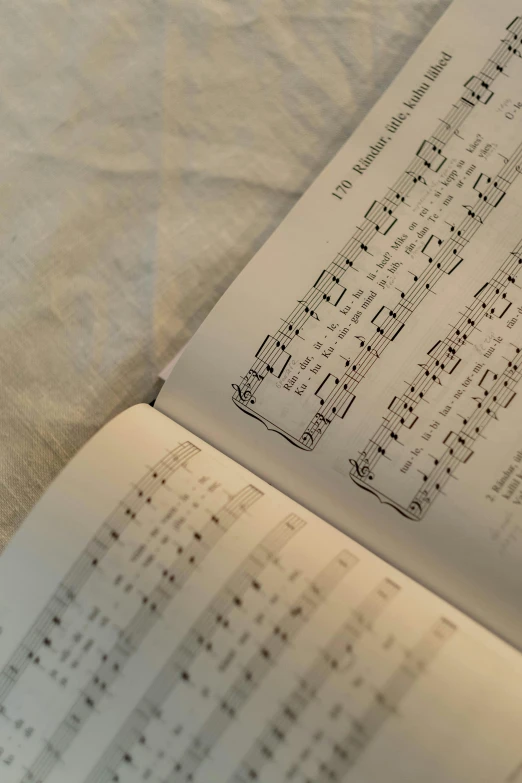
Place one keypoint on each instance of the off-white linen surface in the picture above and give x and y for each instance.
(147, 149)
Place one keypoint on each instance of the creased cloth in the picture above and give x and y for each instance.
(147, 149)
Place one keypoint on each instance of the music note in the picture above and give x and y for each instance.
(489, 189)
(308, 310)
(387, 323)
(478, 90)
(381, 216)
(417, 177)
(431, 155)
(330, 287)
(273, 354)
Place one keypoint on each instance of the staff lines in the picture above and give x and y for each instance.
(489, 302)
(273, 356)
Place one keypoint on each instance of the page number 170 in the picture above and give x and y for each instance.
(342, 189)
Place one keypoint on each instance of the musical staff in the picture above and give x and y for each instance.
(499, 392)
(384, 707)
(195, 643)
(259, 665)
(130, 637)
(443, 257)
(389, 322)
(330, 659)
(490, 302)
(85, 567)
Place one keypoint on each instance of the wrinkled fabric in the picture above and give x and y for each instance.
(147, 149)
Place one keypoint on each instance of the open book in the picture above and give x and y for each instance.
(173, 610)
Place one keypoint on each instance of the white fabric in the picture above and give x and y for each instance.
(147, 149)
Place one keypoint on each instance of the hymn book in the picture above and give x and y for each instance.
(304, 563)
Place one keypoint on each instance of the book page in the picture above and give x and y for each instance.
(166, 616)
(367, 361)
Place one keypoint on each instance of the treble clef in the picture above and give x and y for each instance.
(363, 471)
(245, 395)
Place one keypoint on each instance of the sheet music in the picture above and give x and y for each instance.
(165, 616)
(368, 359)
